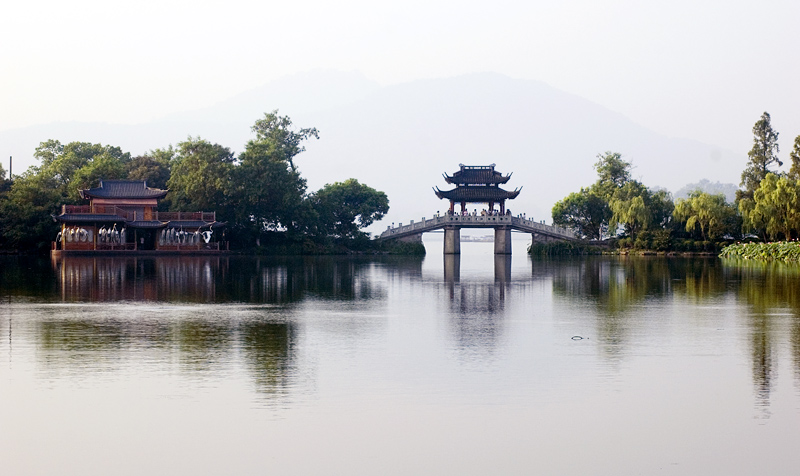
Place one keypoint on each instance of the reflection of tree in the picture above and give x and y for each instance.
(85, 344)
(767, 287)
(762, 353)
(699, 279)
(24, 276)
(269, 349)
(618, 287)
(203, 343)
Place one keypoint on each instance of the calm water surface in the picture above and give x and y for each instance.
(472, 365)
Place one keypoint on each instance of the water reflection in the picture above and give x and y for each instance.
(213, 279)
(201, 347)
(160, 307)
(269, 348)
(476, 307)
(622, 290)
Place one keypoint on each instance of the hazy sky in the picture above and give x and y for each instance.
(704, 70)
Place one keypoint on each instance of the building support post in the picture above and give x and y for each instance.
(452, 240)
(502, 240)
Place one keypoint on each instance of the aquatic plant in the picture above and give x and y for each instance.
(788, 251)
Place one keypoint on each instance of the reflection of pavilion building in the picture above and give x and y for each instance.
(122, 216)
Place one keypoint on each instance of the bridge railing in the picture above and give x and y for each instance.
(474, 220)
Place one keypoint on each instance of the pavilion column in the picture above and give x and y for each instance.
(452, 240)
(452, 207)
(491, 206)
(463, 206)
(502, 207)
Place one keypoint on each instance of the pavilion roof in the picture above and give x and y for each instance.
(123, 189)
(476, 194)
(476, 174)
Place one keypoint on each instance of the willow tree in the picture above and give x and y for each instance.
(708, 212)
(775, 208)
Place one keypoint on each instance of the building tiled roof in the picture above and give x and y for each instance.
(189, 223)
(149, 224)
(476, 194)
(123, 189)
(89, 218)
(477, 174)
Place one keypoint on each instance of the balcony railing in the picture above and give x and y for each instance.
(131, 215)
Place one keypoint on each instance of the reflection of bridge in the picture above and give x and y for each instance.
(502, 224)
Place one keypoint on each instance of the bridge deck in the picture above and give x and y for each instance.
(478, 221)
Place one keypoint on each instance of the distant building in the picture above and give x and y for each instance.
(122, 216)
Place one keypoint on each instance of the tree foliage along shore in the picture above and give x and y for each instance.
(616, 206)
(260, 193)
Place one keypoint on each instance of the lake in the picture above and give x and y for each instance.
(469, 365)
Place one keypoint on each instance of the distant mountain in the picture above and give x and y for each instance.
(705, 185)
(401, 138)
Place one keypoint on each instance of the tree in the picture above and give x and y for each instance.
(27, 210)
(346, 207)
(269, 189)
(153, 168)
(708, 212)
(79, 165)
(201, 176)
(763, 155)
(775, 208)
(637, 208)
(629, 209)
(282, 143)
(612, 172)
(585, 212)
(794, 155)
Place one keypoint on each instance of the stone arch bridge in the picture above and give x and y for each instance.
(503, 226)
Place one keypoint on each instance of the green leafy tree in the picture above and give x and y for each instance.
(763, 155)
(585, 212)
(26, 212)
(275, 134)
(775, 208)
(269, 189)
(102, 166)
(629, 208)
(153, 167)
(613, 172)
(794, 155)
(346, 207)
(710, 213)
(201, 176)
(79, 165)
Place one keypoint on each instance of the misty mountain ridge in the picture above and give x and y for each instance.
(401, 138)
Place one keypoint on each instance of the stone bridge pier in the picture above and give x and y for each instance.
(452, 240)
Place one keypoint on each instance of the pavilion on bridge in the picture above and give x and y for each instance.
(477, 184)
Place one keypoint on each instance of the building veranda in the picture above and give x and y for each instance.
(122, 217)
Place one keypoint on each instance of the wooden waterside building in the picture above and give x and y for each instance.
(122, 217)
(477, 184)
